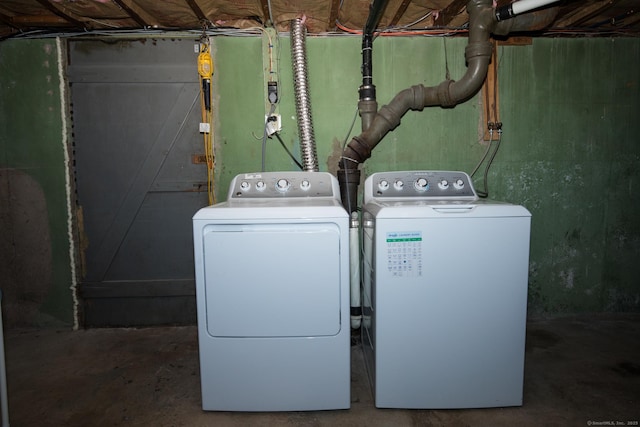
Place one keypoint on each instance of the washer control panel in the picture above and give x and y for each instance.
(419, 184)
(283, 184)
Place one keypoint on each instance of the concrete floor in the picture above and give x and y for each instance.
(579, 371)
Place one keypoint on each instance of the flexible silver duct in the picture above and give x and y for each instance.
(303, 102)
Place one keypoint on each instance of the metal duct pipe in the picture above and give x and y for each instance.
(303, 102)
(482, 22)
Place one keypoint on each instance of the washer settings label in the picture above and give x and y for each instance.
(404, 253)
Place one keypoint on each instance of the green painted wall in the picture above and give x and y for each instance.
(569, 151)
(31, 145)
(572, 108)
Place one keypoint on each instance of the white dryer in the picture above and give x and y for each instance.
(272, 290)
(444, 292)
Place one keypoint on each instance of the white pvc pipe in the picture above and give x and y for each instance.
(523, 6)
(367, 267)
(354, 256)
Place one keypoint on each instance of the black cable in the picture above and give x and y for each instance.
(344, 165)
(265, 135)
(287, 150)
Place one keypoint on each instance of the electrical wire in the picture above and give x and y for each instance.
(288, 152)
(265, 135)
(344, 159)
(431, 32)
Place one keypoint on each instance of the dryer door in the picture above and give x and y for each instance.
(272, 280)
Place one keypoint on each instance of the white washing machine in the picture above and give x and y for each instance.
(444, 292)
(272, 290)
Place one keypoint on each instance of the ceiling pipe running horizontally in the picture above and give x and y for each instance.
(482, 23)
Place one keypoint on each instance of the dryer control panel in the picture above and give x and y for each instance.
(283, 185)
(419, 184)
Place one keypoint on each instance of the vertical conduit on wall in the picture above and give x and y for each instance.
(303, 101)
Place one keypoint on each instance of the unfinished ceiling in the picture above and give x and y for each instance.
(68, 17)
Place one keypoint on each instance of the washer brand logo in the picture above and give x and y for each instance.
(404, 236)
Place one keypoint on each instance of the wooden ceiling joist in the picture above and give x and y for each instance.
(583, 14)
(142, 18)
(265, 12)
(399, 13)
(197, 10)
(56, 10)
(631, 20)
(333, 15)
(447, 14)
(7, 20)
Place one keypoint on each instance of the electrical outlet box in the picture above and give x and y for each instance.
(273, 123)
(205, 128)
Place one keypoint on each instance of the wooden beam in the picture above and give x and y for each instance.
(490, 99)
(447, 14)
(333, 15)
(631, 19)
(22, 21)
(195, 7)
(53, 8)
(401, 10)
(265, 12)
(583, 14)
(138, 14)
(8, 20)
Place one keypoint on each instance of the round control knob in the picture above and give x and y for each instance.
(260, 185)
(458, 184)
(398, 185)
(305, 184)
(383, 185)
(244, 185)
(282, 185)
(443, 184)
(421, 184)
